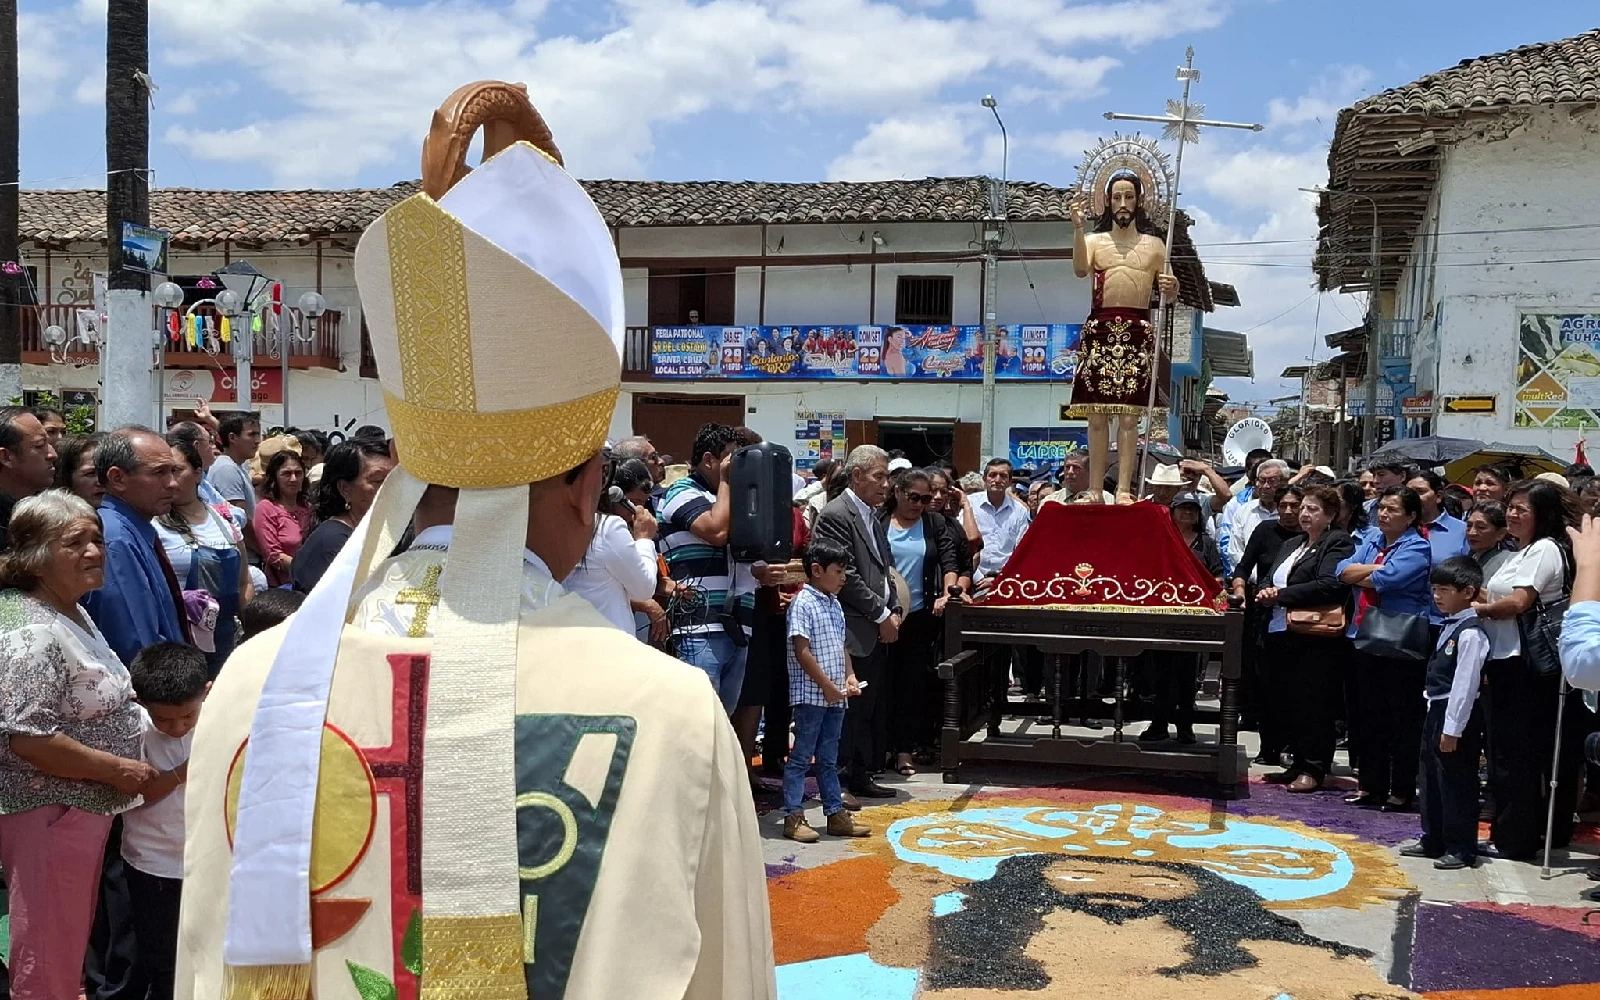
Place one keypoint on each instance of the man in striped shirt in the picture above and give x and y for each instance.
(711, 628)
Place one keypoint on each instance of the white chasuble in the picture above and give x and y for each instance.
(636, 835)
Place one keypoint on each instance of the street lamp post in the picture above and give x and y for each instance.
(243, 284)
(1369, 436)
(169, 298)
(993, 232)
(303, 330)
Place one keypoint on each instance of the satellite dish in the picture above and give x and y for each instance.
(1244, 437)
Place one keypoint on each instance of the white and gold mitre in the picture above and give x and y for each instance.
(495, 311)
(496, 322)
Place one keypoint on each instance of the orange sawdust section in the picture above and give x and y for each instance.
(1377, 878)
(826, 911)
(1581, 991)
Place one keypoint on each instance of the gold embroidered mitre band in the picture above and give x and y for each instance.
(493, 375)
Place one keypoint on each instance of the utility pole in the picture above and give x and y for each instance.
(1369, 439)
(993, 233)
(11, 299)
(126, 345)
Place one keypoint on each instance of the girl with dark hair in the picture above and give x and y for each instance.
(1521, 706)
(1390, 572)
(206, 552)
(949, 500)
(923, 551)
(283, 519)
(75, 467)
(1353, 499)
(352, 471)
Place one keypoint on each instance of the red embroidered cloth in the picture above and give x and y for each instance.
(1098, 557)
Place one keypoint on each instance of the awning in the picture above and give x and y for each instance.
(1228, 353)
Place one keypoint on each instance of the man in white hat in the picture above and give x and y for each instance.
(446, 777)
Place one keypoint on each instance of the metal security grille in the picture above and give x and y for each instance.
(923, 299)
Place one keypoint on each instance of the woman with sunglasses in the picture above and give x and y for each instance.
(925, 557)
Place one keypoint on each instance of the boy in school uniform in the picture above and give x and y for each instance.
(170, 680)
(1452, 736)
(820, 679)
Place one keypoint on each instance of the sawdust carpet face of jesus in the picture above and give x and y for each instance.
(1126, 255)
(1085, 926)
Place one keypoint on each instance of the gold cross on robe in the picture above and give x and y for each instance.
(425, 597)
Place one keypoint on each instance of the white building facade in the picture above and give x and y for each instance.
(715, 255)
(1488, 199)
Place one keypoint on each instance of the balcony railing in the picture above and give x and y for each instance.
(636, 352)
(322, 351)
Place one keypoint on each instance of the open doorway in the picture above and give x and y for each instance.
(923, 442)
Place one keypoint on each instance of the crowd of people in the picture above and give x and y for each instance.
(1395, 616)
(131, 564)
(1368, 601)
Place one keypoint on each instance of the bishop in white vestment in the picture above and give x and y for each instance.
(446, 777)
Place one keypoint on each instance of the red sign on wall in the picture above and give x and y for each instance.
(266, 385)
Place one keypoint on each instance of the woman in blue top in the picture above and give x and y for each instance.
(1390, 571)
(923, 550)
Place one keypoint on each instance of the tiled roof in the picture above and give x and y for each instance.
(1560, 72)
(205, 216)
(271, 216)
(1387, 146)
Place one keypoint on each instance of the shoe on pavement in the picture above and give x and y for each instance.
(1186, 736)
(1415, 849)
(872, 790)
(1154, 734)
(842, 824)
(851, 802)
(1304, 783)
(1454, 862)
(795, 828)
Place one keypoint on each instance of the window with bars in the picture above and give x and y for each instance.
(923, 299)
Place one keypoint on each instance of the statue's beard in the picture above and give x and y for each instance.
(1122, 217)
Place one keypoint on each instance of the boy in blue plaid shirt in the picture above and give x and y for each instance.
(821, 678)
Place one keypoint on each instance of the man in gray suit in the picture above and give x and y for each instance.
(870, 617)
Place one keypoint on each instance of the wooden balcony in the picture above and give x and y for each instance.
(321, 352)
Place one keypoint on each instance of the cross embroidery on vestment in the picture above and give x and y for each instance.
(425, 597)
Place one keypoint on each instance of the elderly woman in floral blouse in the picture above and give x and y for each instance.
(69, 740)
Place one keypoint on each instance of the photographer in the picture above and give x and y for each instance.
(620, 566)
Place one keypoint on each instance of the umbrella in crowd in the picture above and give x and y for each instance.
(1429, 450)
(1524, 460)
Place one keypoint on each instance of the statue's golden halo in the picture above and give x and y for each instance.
(1128, 154)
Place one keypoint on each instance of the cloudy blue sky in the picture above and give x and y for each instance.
(335, 93)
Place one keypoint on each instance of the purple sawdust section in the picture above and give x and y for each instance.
(778, 871)
(1327, 811)
(1449, 953)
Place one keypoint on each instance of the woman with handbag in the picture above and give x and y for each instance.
(1305, 637)
(1392, 640)
(1531, 584)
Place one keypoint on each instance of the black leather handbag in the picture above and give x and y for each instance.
(1394, 635)
(1539, 627)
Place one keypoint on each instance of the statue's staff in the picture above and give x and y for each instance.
(1182, 121)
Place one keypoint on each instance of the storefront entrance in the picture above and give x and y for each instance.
(924, 441)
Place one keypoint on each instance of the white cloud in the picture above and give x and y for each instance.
(359, 86)
(1333, 91)
(932, 144)
(43, 63)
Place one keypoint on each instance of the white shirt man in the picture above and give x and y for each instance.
(1002, 519)
(1240, 520)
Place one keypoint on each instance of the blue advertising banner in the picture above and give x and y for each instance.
(1044, 351)
(1045, 447)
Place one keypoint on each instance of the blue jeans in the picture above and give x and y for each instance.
(816, 732)
(722, 661)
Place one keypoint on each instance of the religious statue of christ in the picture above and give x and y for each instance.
(1127, 255)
